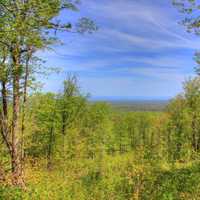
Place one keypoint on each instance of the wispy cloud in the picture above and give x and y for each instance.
(139, 43)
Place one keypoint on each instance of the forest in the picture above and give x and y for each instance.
(61, 145)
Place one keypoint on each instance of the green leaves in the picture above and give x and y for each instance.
(191, 9)
(86, 25)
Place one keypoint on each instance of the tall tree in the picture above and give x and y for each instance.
(71, 104)
(25, 25)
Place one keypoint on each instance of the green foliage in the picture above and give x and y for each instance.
(183, 125)
(119, 177)
(76, 149)
(10, 193)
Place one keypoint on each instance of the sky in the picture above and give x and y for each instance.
(139, 51)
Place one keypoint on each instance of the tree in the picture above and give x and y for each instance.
(25, 27)
(183, 126)
(69, 100)
(177, 132)
(192, 96)
(71, 104)
(191, 9)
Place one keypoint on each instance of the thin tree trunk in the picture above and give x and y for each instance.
(4, 127)
(50, 148)
(4, 93)
(4, 100)
(29, 54)
(194, 136)
(4, 132)
(17, 177)
(4, 116)
(4, 90)
(63, 129)
(51, 140)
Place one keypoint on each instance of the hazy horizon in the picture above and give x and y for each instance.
(118, 98)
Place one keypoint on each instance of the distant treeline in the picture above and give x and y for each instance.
(148, 105)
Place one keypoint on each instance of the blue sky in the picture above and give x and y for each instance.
(139, 51)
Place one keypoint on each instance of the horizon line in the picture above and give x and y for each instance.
(130, 98)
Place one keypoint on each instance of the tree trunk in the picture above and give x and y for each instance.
(4, 127)
(50, 148)
(194, 134)
(17, 175)
(3, 85)
(63, 129)
(25, 87)
(51, 141)
(4, 117)
(4, 100)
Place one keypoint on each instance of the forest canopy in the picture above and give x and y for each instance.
(62, 145)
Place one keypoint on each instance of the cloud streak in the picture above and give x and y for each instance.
(139, 43)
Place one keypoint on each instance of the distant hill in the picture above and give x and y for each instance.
(137, 105)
